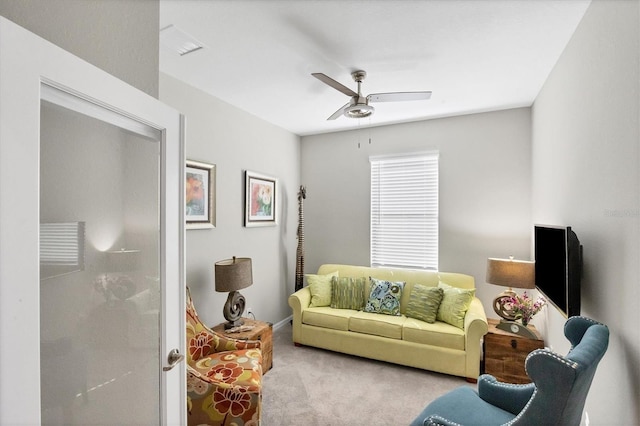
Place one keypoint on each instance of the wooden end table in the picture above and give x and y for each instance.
(505, 353)
(262, 331)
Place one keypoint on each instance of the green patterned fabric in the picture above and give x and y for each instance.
(384, 297)
(347, 293)
(320, 288)
(424, 302)
(454, 305)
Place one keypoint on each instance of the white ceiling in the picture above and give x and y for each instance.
(474, 55)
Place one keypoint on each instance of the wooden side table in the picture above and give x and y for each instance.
(262, 331)
(505, 353)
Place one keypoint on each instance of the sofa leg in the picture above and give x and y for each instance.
(471, 379)
(297, 345)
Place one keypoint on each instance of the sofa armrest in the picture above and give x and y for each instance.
(475, 327)
(299, 301)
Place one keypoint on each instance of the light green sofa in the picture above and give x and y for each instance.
(439, 347)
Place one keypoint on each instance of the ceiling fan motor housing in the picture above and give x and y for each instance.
(358, 108)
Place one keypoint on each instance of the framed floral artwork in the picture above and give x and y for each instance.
(200, 195)
(261, 200)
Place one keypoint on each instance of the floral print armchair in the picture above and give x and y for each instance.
(224, 376)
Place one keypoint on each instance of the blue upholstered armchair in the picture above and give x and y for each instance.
(556, 396)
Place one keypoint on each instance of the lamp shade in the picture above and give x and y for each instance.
(511, 273)
(233, 274)
(123, 260)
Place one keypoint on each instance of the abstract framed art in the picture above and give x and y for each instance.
(261, 200)
(200, 195)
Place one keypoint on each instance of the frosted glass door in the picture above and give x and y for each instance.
(99, 324)
(92, 296)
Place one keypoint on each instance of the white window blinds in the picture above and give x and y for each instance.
(62, 244)
(404, 211)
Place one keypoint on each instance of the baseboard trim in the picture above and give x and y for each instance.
(282, 323)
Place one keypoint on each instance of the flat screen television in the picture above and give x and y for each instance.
(558, 267)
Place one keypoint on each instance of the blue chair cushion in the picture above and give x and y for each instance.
(463, 406)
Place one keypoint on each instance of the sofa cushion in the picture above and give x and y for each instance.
(437, 334)
(326, 317)
(384, 297)
(424, 302)
(320, 288)
(454, 305)
(348, 293)
(376, 324)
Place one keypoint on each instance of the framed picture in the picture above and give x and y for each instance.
(261, 200)
(200, 195)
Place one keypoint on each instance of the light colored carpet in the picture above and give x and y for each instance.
(314, 387)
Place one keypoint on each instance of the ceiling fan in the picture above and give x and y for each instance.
(358, 106)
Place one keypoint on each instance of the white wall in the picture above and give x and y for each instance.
(485, 184)
(236, 141)
(118, 36)
(585, 174)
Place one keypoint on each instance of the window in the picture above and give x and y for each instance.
(61, 248)
(404, 211)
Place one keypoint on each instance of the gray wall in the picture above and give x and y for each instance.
(235, 141)
(585, 174)
(485, 190)
(118, 36)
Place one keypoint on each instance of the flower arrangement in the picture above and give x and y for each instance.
(121, 286)
(524, 307)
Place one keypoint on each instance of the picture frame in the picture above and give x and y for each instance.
(261, 200)
(200, 195)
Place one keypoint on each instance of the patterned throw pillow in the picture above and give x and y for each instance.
(320, 287)
(424, 302)
(347, 293)
(455, 304)
(384, 297)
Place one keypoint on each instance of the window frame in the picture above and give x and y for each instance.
(404, 233)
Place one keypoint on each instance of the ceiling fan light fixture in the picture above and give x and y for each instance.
(358, 111)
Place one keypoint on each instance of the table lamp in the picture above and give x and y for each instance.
(510, 273)
(231, 276)
(121, 265)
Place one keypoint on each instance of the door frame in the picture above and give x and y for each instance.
(26, 61)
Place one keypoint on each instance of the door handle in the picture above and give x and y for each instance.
(173, 359)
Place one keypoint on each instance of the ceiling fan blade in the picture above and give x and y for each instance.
(399, 96)
(331, 82)
(339, 112)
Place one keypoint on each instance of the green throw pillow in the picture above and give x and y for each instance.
(454, 305)
(384, 297)
(347, 293)
(320, 287)
(424, 302)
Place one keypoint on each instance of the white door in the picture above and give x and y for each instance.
(91, 244)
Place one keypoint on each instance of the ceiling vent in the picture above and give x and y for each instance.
(178, 41)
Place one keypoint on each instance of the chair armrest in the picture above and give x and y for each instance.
(299, 301)
(225, 343)
(510, 397)
(438, 421)
(216, 342)
(475, 327)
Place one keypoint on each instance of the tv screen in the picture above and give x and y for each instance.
(558, 257)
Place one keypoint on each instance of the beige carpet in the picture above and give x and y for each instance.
(314, 387)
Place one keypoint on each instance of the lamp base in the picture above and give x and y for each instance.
(233, 309)
(516, 328)
(236, 323)
(502, 304)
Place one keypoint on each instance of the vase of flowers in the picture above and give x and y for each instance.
(524, 307)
